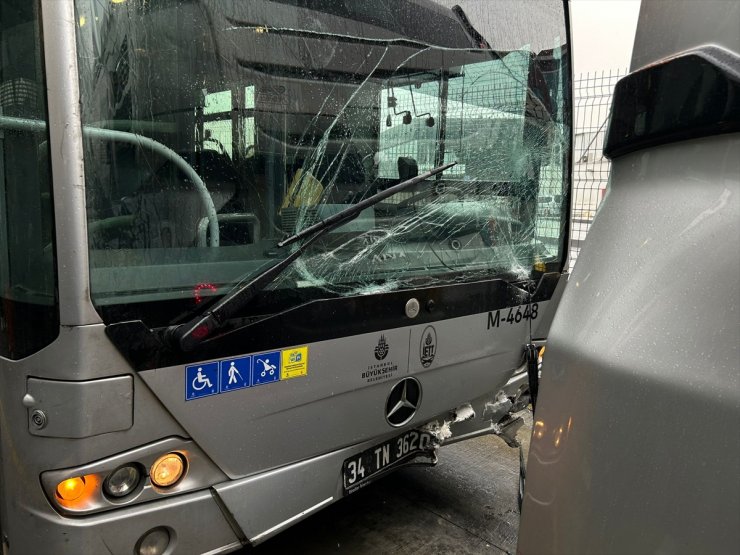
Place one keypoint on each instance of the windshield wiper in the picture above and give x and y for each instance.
(189, 335)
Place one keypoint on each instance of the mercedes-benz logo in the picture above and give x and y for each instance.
(403, 401)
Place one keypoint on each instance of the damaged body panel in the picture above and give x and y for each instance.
(213, 136)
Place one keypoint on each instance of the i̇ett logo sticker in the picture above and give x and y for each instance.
(428, 347)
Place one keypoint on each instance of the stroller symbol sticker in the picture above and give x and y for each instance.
(266, 368)
(201, 380)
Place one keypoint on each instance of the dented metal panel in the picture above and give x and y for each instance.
(79, 409)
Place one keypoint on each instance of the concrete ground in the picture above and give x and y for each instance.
(466, 504)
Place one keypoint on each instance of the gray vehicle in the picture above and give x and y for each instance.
(254, 255)
(634, 447)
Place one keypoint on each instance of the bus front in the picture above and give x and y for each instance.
(255, 255)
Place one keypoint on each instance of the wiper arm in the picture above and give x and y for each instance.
(189, 335)
(351, 212)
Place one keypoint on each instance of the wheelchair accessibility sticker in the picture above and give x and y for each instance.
(201, 380)
(232, 374)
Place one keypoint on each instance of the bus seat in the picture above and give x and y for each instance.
(167, 209)
(348, 182)
(407, 168)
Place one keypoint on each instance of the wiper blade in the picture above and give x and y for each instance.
(189, 335)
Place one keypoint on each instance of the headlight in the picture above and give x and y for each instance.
(167, 470)
(122, 481)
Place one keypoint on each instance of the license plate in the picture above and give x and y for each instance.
(360, 467)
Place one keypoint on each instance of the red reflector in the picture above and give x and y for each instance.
(200, 332)
(198, 291)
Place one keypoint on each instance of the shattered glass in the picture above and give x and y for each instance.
(289, 111)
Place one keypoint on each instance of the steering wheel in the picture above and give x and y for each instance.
(114, 135)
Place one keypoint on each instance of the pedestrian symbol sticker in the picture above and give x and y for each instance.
(266, 368)
(201, 380)
(294, 363)
(236, 373)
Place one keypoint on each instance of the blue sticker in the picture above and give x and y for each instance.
(236, 373)
(201, 380)
(266, 368)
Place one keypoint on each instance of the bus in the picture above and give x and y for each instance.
(256, 255)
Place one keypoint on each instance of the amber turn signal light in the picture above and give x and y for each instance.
(71, 488)
(167, 470)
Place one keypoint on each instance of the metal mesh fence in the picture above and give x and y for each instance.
(592, 102)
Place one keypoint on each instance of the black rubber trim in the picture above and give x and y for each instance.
(328, 319)
(533, 372)
(694, 94)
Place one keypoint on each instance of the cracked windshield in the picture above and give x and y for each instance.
(215, 129)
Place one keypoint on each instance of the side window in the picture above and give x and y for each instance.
(409, 126)
(485, 118)
(215, 122)
(29, 315)
(217, 127)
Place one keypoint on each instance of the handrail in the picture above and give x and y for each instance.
(26, 124)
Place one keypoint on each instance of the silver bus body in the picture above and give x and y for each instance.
(155, 154)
